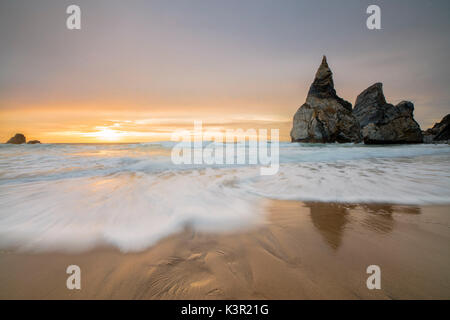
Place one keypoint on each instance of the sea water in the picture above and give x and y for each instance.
(74, 197)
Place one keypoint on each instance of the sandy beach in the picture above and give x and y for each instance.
(302, 251)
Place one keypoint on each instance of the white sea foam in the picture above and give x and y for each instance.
(76, 197)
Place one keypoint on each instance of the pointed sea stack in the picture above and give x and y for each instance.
(325, 117)
(383, 123)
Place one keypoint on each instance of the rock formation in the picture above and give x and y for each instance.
(325, 117)
(17, 139)
(383, 123)
(20, 138)
(439, 133)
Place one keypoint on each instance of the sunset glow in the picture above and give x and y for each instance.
(106, 134)
(116, 126)
(142, 78)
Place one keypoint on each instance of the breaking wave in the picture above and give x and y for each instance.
(74, 197)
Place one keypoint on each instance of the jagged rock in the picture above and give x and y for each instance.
(439, 132)
(34, 142)
(17, 139)
(324, 117)
(383, 123)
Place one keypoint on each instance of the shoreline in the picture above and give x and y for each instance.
(305, 250)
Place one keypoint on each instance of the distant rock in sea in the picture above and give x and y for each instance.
(17, 139)
(383, 123)
(325, 117)
(20, 139)
(439, 133)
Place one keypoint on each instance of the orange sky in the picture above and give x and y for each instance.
(138, 70)
(85, 126)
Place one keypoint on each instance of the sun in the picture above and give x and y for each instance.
(108, 134)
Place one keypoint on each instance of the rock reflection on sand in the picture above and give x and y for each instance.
(331, 219)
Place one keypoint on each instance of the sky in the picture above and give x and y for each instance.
(137, 70)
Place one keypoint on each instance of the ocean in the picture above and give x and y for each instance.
(74, 197)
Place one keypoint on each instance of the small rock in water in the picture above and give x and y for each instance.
(34, 142)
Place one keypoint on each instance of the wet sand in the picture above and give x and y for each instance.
(302, 251)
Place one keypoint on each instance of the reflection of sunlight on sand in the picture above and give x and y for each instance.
(201, 283)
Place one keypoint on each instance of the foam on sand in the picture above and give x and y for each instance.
(76, 197)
